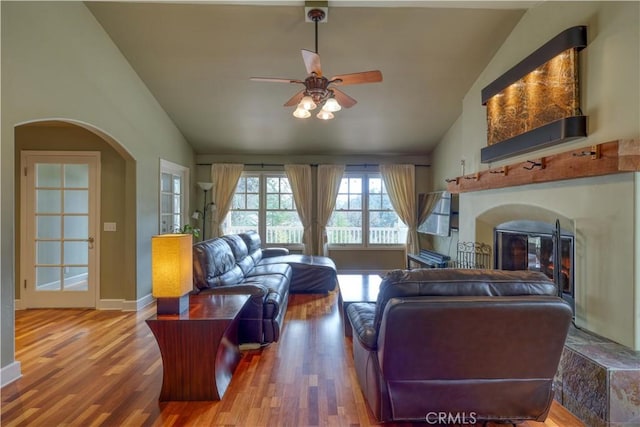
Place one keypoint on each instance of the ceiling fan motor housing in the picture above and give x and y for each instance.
(316, 88)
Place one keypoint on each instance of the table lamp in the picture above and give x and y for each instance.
(171, 272)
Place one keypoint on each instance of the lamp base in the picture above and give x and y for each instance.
(172, 305)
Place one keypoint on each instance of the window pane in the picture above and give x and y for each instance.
(165, 182)
(355, 185)
(242, 185)
(273, 185)
(47, 252)
(48, 278)
(48, 227)
(76, 227)
(48, 201)
(386, 228)
(165, 203)
(76, 279)
(48, 175)
(345, 228)
(272, 201)
(355, 202)
(176, 204)
(342, 202)
(284, 186)
(238, 202)
(76, 176)
(253, 201)
(386, 203)
(177, 187)
(76, 253)
(283, 227)
(253, 184)
(375, 185)
(76, 201)
(375, 201)
(286, 201)
(344, 186)
(244, 218)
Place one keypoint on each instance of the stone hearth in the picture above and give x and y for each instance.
(599, 381)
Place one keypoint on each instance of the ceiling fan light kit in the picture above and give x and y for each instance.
(319, 90)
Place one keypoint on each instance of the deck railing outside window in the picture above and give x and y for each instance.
(336, 235)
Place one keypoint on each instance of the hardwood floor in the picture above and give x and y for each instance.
(103, 368)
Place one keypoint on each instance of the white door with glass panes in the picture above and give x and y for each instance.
(173, 197)
(59, 232)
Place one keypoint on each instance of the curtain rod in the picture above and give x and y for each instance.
(365, 165)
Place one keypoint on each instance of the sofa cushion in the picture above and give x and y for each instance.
(214, 265)
(460, 282)
(312, 274)
(253, 243)
(240, 252)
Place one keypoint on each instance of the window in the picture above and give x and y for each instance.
(264, 203)
(363, 214)
(173, 196)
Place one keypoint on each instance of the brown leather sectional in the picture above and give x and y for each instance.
(236, 264)
(460, 345)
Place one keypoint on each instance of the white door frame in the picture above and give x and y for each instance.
(28, 297)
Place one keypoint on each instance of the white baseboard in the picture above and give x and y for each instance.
(109, 304)
(10, 373)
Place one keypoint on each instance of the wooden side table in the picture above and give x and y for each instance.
(356, 288)
(199, 347)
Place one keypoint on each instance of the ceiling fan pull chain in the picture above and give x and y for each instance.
(316, 24)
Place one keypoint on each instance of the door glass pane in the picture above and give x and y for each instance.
(177, 187)
(47, 278)
(48, 175)
(76, 201)
(76, 279)
(165, 182)
(176, 204)
(48, 226)
(48, 201)
(76, 176)
(165, 223)
(47, 252)
(76, 253)
(76, 227)
(166, 203)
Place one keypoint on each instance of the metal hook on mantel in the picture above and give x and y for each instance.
(475, 176)
(450, 180)
(532, 164)
(595, 153)
(503, 170)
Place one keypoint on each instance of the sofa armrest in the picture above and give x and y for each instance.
(271, 252)
(255, 290)
(362, 316)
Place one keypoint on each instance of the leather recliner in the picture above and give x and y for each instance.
(480, 344)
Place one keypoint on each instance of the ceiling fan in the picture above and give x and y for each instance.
(319, 90)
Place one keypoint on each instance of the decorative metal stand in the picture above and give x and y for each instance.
(473, 255)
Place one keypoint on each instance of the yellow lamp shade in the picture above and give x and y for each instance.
(171, 265)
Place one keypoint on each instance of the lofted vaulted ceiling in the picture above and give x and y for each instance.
(196, 58)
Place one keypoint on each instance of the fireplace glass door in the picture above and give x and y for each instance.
(534, 251)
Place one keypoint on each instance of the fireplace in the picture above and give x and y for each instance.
(529, 245)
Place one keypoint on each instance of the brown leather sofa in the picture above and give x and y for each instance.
(236, 264)
(463, 345)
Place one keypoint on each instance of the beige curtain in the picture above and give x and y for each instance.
(329, 177)
(400, 181)
(300, 180)
(426, 204)
(225, 179)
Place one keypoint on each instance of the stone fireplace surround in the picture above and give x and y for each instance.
(598, 379)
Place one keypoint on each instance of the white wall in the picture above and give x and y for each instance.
(603, 209)
(57, 62)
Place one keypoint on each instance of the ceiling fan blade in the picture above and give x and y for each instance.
(374, 76)
(312, 62)
(274, 80)
(295, 99)
(343, 99)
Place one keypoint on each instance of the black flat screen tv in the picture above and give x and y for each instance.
(438, 222)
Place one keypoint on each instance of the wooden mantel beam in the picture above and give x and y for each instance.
(601, 159)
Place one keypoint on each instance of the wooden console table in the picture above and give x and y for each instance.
(199, 347)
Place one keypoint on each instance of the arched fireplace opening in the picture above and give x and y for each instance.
(530, 245)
